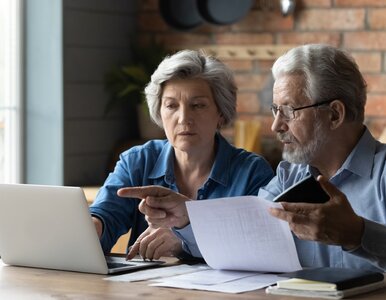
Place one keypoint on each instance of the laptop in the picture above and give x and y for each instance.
(50, 227)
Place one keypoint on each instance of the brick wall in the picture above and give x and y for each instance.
(356, 25)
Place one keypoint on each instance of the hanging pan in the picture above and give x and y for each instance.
(224, 12)
(180, 14)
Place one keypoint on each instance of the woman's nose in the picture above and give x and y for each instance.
(185, 116)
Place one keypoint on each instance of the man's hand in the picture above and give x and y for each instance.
(333, 222)
(154, 243)
(162, 206)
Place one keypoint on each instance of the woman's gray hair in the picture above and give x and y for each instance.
(191, 64)
(329, 73)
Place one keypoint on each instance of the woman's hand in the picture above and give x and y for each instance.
(154, 243)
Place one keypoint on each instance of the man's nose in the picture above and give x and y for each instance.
(278, 124)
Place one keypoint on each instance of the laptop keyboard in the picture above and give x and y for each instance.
(113, 265)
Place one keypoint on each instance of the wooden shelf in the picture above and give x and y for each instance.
(269, 52)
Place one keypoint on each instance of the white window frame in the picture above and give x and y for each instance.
(12, 57)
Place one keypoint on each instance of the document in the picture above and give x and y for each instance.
(219, 281)
(161, 272)
(238, 233)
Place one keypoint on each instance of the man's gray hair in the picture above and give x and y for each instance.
(191, 64)
(329, 73)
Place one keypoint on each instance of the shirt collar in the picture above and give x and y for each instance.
(361, 159)
(164, 165)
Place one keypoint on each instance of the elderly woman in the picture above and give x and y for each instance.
(191, 96)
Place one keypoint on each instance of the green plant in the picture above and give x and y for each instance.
(126, 83)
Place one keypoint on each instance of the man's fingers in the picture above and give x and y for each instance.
(329, 188)
(288, 216)
(301, 208)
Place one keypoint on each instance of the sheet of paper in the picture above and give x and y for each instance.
(238, 233)
(209, 277)
(244, 284)
(158, 273)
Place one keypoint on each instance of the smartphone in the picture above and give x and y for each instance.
(307, 190)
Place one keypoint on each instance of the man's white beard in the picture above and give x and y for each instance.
(304, 154)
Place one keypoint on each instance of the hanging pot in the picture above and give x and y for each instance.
(224, 12)
(180, 14)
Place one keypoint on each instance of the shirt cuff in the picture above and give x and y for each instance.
(189, 243)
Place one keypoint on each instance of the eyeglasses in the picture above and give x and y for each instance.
(287, 112)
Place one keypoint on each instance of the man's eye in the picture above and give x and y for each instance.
(198, 105)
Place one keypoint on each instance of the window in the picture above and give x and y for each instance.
(10, 91)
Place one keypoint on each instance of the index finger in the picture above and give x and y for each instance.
(142, 192)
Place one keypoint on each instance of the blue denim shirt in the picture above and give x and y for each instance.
(362, 178)
(235, 172)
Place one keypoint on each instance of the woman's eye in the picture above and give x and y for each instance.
(171, 106)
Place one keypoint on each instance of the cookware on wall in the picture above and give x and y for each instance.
(224, 12)
(180, 14)
(188, 14)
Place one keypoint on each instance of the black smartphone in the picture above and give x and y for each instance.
(307, 190)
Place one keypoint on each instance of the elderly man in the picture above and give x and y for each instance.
(318, 106)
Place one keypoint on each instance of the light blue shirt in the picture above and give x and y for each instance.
(362, 178)
(235, 172)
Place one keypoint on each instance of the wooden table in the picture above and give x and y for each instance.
(30, 283)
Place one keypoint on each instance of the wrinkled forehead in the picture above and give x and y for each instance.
(289, 90)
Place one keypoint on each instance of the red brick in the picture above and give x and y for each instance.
(263, 66)
(239, 65)
(360, 3)
(258, 21)
(376, 126)
(331, 19)
(250, 82)
(332, 38)
(365, 40)
(247, 102)
(313, 3)
(184, 40)
(376, 105)
(243, 38)
(376, 18)
(376, 83)
(368, 61)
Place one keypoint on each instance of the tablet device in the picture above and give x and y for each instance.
(308, 190)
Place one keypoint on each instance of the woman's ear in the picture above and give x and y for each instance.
(337, 113)
(221, 122)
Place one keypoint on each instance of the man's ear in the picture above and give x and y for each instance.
(337, 113)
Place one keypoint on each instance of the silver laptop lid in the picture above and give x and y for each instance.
(48, 227)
